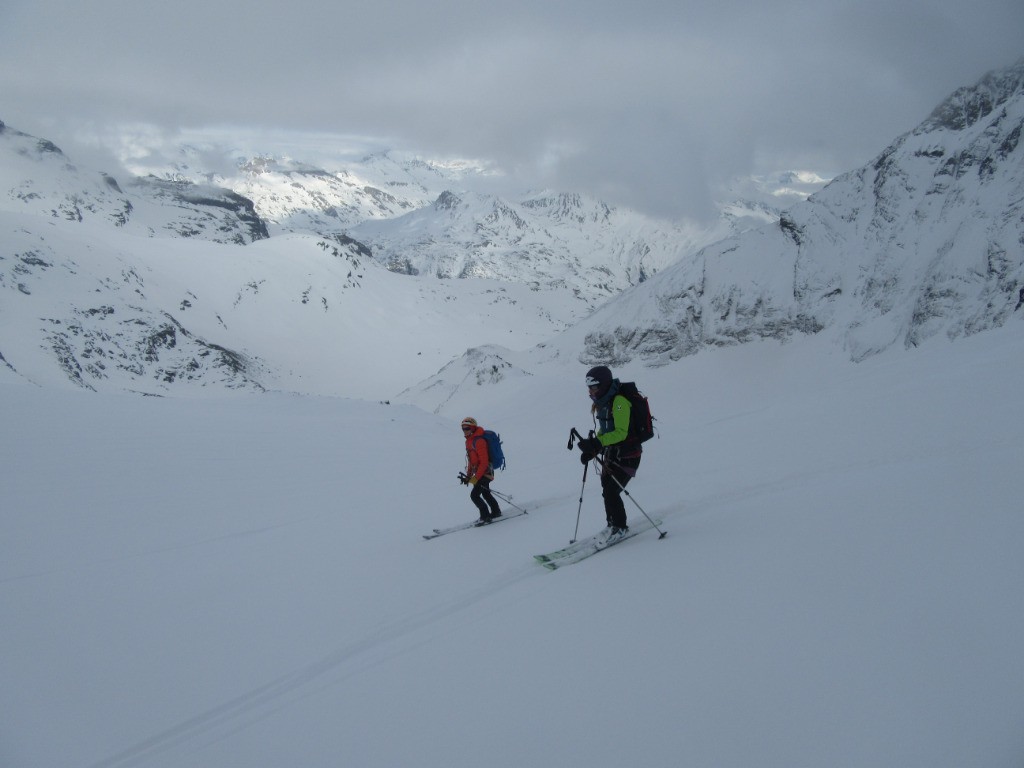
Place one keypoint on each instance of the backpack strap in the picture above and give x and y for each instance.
(490, 468)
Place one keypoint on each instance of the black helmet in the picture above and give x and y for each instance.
(599, 378)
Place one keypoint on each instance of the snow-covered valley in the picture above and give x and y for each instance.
(231, 569)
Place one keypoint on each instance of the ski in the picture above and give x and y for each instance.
(591, 545)
(473, 524)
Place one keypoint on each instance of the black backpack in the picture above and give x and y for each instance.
(641, 423)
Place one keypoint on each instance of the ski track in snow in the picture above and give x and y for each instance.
(728, 502)
(251, 707)
(257, 704)
(842, 582)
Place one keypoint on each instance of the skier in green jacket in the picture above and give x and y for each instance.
(620, 453)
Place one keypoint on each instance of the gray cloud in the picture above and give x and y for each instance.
(646, 104)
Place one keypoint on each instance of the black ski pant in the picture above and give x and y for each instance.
(484, 500)
(614, 477)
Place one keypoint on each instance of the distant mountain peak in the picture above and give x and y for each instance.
(447, 201)
(925, 241)
(967, 105)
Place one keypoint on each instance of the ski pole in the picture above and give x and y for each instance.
(580, 507)
(508, 500)
(573, 436)
(663, 533)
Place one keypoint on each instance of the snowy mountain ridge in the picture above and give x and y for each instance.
(293, 312)
(551, 241)
(141, 285)
(926, 240)
(41, 180)
(294, 196)
(420, 217)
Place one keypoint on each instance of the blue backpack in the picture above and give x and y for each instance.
(494, 451)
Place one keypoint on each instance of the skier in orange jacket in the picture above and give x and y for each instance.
(479, 471)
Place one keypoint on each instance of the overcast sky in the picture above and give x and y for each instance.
(649, 105)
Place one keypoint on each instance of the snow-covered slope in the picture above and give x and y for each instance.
(292, 312)
(295, 197)
(144, 288)
(36, 177)
(242, 581)
(420, 217)
(141, 285)
(582, 248)
(927, 240)
(424, 217)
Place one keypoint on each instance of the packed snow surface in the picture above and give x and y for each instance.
(242, 580)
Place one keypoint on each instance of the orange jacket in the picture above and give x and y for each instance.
(478, 460)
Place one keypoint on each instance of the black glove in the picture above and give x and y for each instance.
(591, 445)
(463, 479)
(585, 457)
